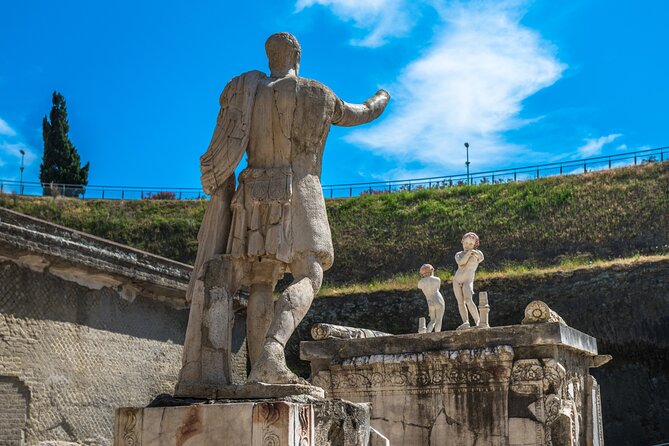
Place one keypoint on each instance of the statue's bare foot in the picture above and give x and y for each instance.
(271, 368)
(464, 326)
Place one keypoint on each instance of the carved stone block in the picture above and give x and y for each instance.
(522, 385)
(249, 423)
(298, 421)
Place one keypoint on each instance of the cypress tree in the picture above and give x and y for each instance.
(60, 163)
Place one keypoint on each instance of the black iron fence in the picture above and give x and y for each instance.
(353, 189)
(501, 175)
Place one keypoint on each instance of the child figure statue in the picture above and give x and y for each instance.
(463, 282)
(429, 285)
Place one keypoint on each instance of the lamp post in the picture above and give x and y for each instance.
(467, 163)
(23, 154)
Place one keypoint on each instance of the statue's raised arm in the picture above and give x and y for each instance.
(349, 115)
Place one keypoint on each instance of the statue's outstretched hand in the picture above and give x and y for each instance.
(349, 115)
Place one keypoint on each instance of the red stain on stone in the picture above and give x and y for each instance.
(191, 426)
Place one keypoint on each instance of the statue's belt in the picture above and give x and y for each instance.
(267, 185)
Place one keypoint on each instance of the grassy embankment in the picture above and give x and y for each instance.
(383, 239)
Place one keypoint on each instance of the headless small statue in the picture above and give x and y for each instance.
(429, 285)
(463, 282)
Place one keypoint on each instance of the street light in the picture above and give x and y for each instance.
(467, 163)
(23, 154)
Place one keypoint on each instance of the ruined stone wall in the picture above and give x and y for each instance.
(74, 355)
(625, 307)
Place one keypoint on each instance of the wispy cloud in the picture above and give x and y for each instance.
(594, 146)
(469, 86)
(11, 145)
(5, 129)
(380, 19)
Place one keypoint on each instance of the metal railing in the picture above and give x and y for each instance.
(500, 175)
(353, 189)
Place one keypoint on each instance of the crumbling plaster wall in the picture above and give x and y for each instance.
(81, 353)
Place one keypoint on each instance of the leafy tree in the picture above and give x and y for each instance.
(61, 163)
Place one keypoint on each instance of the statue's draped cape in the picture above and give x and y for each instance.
(217, 167)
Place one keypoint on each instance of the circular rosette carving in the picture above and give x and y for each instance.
(437, 376)
(423, 378)
(536, 312)
(397, 378)
(477, 376)
(319, 332)
(527, 370)
(377, 379)
(457, 376)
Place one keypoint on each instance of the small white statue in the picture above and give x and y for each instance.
(429, 285)
(463, 282)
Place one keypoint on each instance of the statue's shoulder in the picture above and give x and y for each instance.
(238, 84)
(245, 78)
(312, 84)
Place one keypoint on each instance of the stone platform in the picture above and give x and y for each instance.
(296, 421)
(246, 391)
(514, 385)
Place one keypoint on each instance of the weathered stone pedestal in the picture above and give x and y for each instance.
(515, 385)
(300, 421)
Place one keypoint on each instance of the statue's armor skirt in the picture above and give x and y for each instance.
(261, 215)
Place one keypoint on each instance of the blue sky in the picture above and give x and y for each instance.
(522, 82)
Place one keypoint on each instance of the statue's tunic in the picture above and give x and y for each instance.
(278, 210)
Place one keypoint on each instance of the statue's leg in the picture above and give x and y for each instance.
(433, 318)
(259, 315)
(457, 289)
(439, 309)
(289, 310)
(468, 289)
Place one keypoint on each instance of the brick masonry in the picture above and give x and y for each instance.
(70, 355)
(13, 411)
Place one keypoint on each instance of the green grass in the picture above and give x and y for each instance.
(547, 222)
(167, 228)
(606, 214)
(404, 281)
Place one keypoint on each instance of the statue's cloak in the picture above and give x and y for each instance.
(217, 167)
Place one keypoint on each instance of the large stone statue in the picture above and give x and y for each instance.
(275, 221)
(463, 282)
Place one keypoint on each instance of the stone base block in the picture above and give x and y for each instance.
(303, 421)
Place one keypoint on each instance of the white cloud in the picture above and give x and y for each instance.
(593, 146)
(14, 150)
(381, 18)
(11, 145)
(5, 129)
(469, 86)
